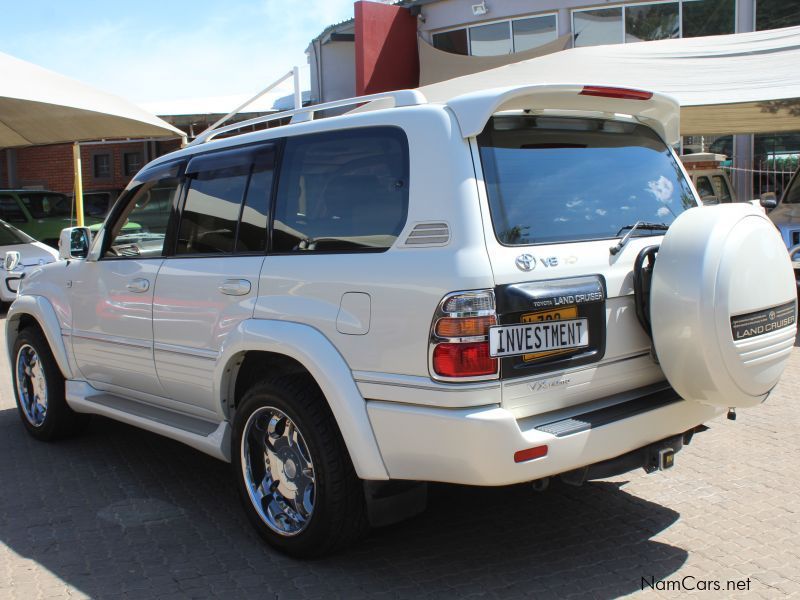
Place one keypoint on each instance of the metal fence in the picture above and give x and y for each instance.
(770, 175)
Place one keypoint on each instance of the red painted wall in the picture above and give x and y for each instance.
(386, 48)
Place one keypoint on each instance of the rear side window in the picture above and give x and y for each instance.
(226, 204)
(342, 191)
(557, 179)
(704, 189)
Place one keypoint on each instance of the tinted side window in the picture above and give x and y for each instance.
(342, 191)
(227, 202)
(721, 188)
(10, 210)
(208, 220)
(140, 230)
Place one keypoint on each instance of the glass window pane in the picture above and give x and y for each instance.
(651, 22)
(253, 227)
(10, 210)
(140, 230)
(454, 42)
(530, 33)
(557, 179)
(595, 27)
(721, 189)
(774, 14)
(342, 192)
(208, 220)
(490, 40)
(43, 205)
(708, 17)
(705, 191)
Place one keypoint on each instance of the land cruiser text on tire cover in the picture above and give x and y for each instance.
(498, 287)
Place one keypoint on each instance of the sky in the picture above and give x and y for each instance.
(151, 51)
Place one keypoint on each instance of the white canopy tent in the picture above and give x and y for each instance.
(741, 83)
(38, 106)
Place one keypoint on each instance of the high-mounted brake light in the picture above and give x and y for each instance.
(459, 344)
(615, 92)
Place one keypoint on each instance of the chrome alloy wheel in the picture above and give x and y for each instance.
(31, 385)
(278, 471)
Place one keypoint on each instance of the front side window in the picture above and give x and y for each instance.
(141, 228)
(342, 191)
(10, 236)
(558, 179)
(705, 190)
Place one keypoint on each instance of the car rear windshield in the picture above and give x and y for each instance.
(559, 179)
(11, 235)
(43, 205)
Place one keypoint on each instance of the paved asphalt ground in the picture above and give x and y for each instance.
(120, 512)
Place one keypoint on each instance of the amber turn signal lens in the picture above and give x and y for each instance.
(464, 326)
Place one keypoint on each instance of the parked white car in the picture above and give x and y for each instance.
(503, 288)
(21, 254)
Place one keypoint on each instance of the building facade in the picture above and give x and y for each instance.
(505, 31)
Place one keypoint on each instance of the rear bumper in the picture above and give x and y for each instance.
(476, 446)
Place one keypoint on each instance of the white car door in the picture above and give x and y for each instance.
(112, 297)
(209, 284)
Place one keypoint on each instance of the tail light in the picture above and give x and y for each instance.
(459, 340)
(615, 92)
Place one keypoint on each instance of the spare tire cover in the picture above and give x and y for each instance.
(723, 305)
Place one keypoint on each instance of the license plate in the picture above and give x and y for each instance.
(566, 312)
(544, 336)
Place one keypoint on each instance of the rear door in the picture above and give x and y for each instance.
(560, 195)
(209, 283)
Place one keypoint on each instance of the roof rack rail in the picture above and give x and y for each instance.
(306, 113)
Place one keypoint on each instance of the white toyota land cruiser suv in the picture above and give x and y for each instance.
(509, 286)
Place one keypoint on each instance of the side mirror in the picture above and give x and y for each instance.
(74, 243)
(12, 260)
(769, 200)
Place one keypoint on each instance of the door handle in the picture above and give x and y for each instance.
(235, 287)
(138, 285)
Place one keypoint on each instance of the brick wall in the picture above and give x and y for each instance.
(50, 167)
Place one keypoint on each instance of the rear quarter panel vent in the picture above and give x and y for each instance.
(428, 234)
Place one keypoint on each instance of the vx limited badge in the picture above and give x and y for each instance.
(526, 262)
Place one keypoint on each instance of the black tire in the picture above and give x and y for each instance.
(59, 419)
(339, 512)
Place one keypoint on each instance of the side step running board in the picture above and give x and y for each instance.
(211, 438)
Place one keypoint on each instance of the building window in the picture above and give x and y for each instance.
(132, 162)
(774, 14)
(648, 22)
(599, 26)
(502, 37)
(101, 166)
(708, 17)
(490, 40)
(653, 21)
(534, 32)
(454, 41)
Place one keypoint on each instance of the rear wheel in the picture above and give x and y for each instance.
(293, 471)
(39, 389)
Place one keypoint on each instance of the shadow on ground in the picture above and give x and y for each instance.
(120, 511)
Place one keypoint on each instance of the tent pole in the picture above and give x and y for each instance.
(76, 165)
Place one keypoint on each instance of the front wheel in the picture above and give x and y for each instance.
(39, 389)
(293, 471)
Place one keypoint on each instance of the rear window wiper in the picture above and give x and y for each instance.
(638, 225)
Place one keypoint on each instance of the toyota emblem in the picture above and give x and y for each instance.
(526, 262)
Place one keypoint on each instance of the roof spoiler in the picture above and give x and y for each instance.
(658, 111)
